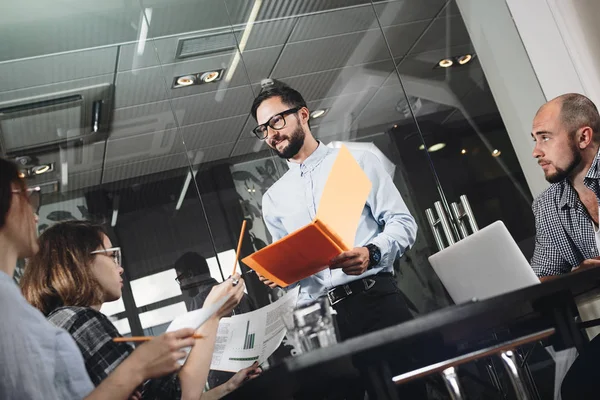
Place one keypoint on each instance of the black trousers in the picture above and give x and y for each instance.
(381, 306)
(582, 381)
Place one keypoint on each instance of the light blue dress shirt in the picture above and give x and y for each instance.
(385, 221)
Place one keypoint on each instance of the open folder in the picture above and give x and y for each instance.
(310, 249)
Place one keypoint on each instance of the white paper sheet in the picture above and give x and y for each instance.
(254, 336)
(195, 319)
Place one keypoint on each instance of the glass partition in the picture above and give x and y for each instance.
(137, 116)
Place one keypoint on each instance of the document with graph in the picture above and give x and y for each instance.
(254, 336)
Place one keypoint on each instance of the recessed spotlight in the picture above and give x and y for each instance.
(496, 153)
(41, 169)
(21, 174)
(422, 147)
(318, 113)
(436, 147)
(210, 76)
(395, 126)
(463, 151)
(186, 80)
(445, 63)
(462, 60)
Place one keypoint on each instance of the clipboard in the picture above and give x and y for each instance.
(309, 249)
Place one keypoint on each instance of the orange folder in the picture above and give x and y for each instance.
(309, 249)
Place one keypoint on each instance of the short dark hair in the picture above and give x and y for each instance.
(289, 97)
(191, 264)
(577, 111)
(9, 173)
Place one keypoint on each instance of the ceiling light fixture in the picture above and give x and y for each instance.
(445, 63)
(496, 153)
(422, 147)
(198, 78)
(436, 147)
(462, 60)
(463, 151)
(211, 76)
(187, 80)
(318, 113)
(455, 61)
(41, 169)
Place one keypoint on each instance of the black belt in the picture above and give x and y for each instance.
(339, 293)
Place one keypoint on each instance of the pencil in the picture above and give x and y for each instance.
(144, 338)
(239, 246)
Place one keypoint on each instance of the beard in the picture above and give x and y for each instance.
(295, 143)
(563, 173)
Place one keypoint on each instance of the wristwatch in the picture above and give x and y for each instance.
(374, 255)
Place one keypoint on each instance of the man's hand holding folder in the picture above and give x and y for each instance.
(328, 240)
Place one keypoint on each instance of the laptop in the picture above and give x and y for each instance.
(486, 264)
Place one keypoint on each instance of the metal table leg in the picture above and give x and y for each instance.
(511, 363)
(453, 384)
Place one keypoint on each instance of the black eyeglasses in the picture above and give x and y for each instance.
(34, 196)
(276, 122)
(181, 276)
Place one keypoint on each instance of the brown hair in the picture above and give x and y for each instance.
(9, 173)
(60, 274)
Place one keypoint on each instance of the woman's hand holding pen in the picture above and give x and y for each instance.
(227, 288)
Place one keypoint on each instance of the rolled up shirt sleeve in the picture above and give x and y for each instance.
(389, 210)
(546, 260)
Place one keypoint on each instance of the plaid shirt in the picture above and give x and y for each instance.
(93, 332)
(565, 235)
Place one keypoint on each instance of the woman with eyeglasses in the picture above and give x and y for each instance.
(76, 270)
(37, 359)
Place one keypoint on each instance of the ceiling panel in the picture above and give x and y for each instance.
(83, 180)
(397, 12)
(211, 106)
(159, 51)
(442, 33)
(344, 50)
(249, 145)
(145, 167)
(334, 23)
(171, 17)
(364, 18)
(389, 107)
(341, 107)
(32, 28)
(213, 153)
(265, 34)
(213, 133)
(240, 11)
(335, 82)
(423, 65)
(82, 158)
(22, 74)
(140, 147)
(147, 118)
(154, 84)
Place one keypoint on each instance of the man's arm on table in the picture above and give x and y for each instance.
(388, 209)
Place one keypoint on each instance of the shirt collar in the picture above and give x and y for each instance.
(594, 171)
(312, 161)
(569, 196)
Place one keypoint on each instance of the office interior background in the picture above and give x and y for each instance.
(136, 114)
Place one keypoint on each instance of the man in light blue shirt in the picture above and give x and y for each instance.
(359, 283)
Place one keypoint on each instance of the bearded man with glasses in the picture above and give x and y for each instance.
(359, 283)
